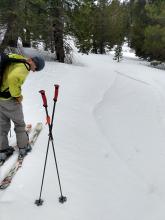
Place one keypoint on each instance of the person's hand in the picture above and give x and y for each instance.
(19, 99)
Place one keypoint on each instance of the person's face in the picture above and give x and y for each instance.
(32, 65)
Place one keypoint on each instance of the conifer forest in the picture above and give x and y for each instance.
(95, 26)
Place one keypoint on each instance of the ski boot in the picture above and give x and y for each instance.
(5, 154)
(24, 151)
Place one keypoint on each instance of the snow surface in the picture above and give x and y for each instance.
(109, 139)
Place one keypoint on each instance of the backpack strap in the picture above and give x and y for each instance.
(17, 60)
(5, 94)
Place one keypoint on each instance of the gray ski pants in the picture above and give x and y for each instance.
(11, 110)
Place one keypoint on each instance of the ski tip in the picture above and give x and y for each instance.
(39, 126)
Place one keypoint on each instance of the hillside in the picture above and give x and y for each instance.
(109, 139)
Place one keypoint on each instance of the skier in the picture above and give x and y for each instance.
(11, 104)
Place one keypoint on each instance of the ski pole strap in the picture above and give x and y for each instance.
(42, 92)
(56, 87)
(48, 120)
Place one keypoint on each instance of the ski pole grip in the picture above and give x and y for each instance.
(42, 92)
(56, 92)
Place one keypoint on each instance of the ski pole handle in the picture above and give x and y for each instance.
(56, 92)
(42, 92)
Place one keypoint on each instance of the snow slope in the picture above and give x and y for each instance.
(109, 139)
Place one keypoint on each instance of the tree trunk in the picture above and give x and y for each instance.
(58, 40)
(58, 31)
(12, 29)
(101, 48)
(26, 38)
(94, 50)
(11, 35)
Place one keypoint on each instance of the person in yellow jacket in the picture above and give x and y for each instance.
(10, 104)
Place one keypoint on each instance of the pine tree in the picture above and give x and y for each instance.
(118, 53)
(154, 43)
(21, 18)
(82, 29)
(117, 23)
(99, 26)
(139, 21)
(9, 21)
(36, 22)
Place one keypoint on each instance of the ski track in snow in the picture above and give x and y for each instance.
(101, 103)
(138, 80)
(151, 187)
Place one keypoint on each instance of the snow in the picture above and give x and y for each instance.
(109, 141)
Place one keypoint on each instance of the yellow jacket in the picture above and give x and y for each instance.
(13, 77)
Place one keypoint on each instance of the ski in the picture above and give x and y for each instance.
(18, 164)
(28, 129)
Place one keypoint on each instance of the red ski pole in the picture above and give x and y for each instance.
(56, 92)
(56, 89)
(42, 92)
(62, 198)
(39, 201)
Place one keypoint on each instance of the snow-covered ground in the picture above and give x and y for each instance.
(109, 134)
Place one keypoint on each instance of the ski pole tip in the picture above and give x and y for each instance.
(39, 202)
(62, 199)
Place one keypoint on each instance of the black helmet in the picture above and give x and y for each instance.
(39, 61)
